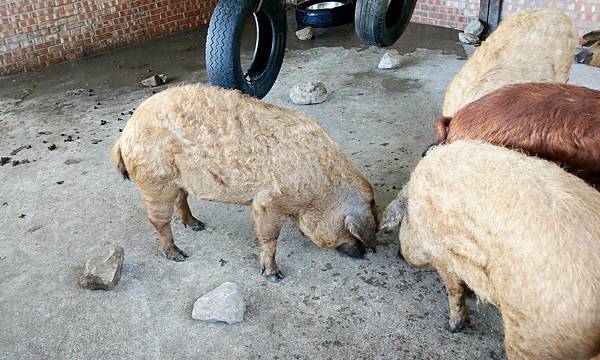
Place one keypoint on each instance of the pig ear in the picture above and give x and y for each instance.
(355, 227)
(359, 221)
(393, 214)
(592, 36)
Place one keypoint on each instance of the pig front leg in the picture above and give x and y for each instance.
(459, 313)
(268, 220)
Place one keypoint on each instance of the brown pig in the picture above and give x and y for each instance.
(220, 145)
(558, 122)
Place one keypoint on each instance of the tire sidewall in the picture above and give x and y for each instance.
(224, 69)
(278, 20)
(392, 34)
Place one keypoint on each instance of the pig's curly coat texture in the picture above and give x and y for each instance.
(557, 122)
(220, 145)
(529, 46)
(519, 231)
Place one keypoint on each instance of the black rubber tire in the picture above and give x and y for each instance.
(322, 18)
(224, 40)
(378, 24)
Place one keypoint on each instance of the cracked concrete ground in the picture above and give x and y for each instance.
(67, 204)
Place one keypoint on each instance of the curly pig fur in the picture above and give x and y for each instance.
(220, 145)
(529, 46)
(557, 122)
(519, 231)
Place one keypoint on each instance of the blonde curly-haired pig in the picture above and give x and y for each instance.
(519, 231)
(534, 45)
(220, 145)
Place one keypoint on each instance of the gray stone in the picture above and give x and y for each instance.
(155, 80)
(468, 38)
(224, 303)
(475, 27)
(389, 60)
(103, 273)
(308, 93)
(305, 34)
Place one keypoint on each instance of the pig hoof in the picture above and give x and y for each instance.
(177, 255)
(179, 258)
(275, 278)
(199, 226)
(456, 328)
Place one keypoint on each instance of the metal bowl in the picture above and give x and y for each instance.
(325, 5)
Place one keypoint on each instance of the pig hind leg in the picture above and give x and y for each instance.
(459, 313)
(183, 209)
(268, 221)
(159, 204)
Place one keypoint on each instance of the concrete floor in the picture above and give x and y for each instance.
(328, 306)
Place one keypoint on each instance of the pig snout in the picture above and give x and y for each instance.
(584, 57)
(354, 250)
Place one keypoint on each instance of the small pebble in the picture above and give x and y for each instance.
(308, 93)
(305, 34)
(390, 60)
(103, 273)
(224, 303)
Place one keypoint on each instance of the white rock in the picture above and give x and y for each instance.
(389, 61)
(103, 273)
(155, 80)
(305, 34)
(224, 303)
(308, 93)
(468, 38)
(475, 27)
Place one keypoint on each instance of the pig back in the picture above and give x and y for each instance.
(226, 147)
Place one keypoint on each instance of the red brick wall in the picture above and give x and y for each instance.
(457, 13)
(34, 33)
(585, 13)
